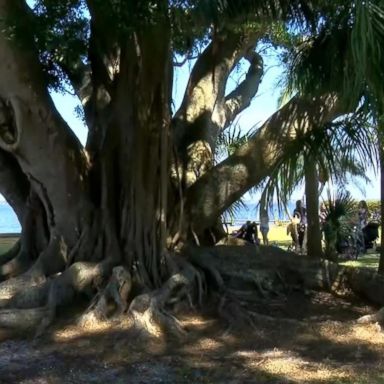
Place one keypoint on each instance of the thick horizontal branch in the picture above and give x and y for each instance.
(204, 97)
(241, 97)
(253, 162)
(14, 184)
(45, 147)
(80, 77)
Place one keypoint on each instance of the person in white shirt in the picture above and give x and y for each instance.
(264, 224)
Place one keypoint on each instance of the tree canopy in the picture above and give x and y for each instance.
(146, 184)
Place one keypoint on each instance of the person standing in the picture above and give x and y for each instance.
(363, 213)
(292, 230)
(301, 213)
(322, 217)
(264, 224)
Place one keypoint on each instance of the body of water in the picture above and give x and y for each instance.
(250, 211)
(10, 224)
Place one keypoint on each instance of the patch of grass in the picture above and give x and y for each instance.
(6, 243)
(278, 236)
(370, 260)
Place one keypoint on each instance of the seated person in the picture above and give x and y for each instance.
(248, 232)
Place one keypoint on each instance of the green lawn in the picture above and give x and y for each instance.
(6, 243)
(278, 236)
(369, 260)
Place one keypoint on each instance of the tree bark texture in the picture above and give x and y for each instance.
(381, 154)
(314, 248)
(254, 161)
(86, 210)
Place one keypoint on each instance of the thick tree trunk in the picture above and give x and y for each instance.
(43, 145)
(249, 165)
(206, 110)
(14, 185)
(312, 201)
(381, 154)
(91, 213)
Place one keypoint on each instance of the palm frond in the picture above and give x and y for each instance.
(344, 55)
(231, 139)
(340, 219)
(343, 147)
(233, 211)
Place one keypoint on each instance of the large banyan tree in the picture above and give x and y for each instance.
(121, 208)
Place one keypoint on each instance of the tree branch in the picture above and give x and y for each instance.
(81, 80)
(202, 114)
(14, 185)
(45, 147)
(104, 57)
(253, 162)
(205, 91)
(241, 97)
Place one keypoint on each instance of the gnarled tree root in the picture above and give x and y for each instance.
(117, 290)
(22, 319)
(25, 281)
(14, 267)
(377, 317)
(11, 253)
(57, 291)
(149, 309)
(78, 278)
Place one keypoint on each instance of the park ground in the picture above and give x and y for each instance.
(303, 337)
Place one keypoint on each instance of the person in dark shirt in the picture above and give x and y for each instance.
(301, 213)
(248, 232)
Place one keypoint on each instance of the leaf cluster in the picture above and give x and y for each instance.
(344, 54)
(346, 146)
(61, 32)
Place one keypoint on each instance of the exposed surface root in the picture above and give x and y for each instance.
(32, 297)
(22, 319)
(79, 278)
(239, 286)
(10, 254)
(117, 291)
(149, 309)
(230, 299)
(32, 301)
(20, 283)
(377, 317)
(17, 265)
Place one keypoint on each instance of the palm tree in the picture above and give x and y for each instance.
(338, 224)
(312, 200)
(381, 151)
(334, 59)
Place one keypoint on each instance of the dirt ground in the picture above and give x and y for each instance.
(314, 339)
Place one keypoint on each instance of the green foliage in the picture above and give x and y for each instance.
(227, 143)
(347, 146)
(340, 218)
(364, 261)
(230, 140)
(343, 55)
(374, 206)
(61, 31)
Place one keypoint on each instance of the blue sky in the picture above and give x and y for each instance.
(262, 106)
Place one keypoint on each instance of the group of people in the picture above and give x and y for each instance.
(297, 228)
(249, 230)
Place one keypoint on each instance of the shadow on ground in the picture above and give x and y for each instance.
(319, 344)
